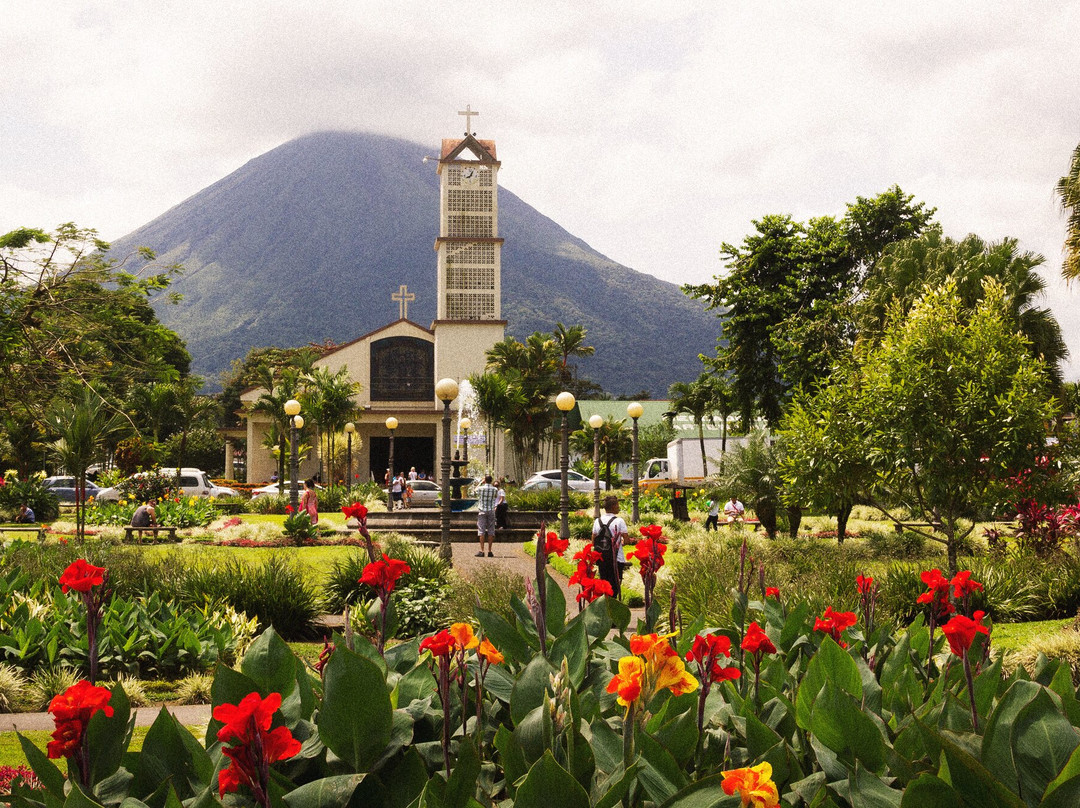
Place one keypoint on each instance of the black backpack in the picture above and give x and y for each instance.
(603, 540)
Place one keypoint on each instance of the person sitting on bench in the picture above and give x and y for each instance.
(25, 515)
(144, 516)
(734, 510)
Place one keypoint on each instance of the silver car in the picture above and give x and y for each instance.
(552, 478)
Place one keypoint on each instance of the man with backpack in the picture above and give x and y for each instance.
(609, 532)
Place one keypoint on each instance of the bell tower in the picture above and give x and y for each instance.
(469, 311)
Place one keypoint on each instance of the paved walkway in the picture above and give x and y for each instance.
(507, 556)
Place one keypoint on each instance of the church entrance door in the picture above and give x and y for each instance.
(408, 452)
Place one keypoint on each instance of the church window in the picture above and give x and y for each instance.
(464, 225)
(470, 306)
(402, 369)
(468, 201)
(470, 277)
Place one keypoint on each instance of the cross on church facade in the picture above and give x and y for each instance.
(468, 113)
(403, 297)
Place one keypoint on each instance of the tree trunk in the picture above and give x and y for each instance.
(704, 460)
(950, 535)
(842, 514)
(794, 515)
(766, 514)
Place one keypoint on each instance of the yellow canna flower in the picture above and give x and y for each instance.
(673, 675)
(754, 785)
(627, 682)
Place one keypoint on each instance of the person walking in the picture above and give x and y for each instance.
(397, 489)
(486, 496)
(609, 532)
(309, 501)
(502, 507)
(712, 521)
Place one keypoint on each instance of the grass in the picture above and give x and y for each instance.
(11, 753)
(1014, 636)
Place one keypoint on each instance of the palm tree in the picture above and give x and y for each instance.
(82, 425)
(1068, 189)
(192, 408)
(277, 389)
(697, 400)
(570, 342)
(329, 400)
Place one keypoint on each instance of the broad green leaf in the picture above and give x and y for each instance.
(108, 736)
(867, 790)
(270, 664)
(356, 719)
(928, 791)
(533, 734)
(1070, 770)
(462, 783)
(513, 759)
(403, 656)
(549, 785)
(679, 734)
(530, 688)
(404, 781)
(171, 753)
(1066, 795)
(705, 793)
(328, 792)
(76, 798)
(1042, 742)
(607, 745)
(839, 723)
(47, 772)
(617, 790)
(759, 737)
(997, 753)
(503, 636)
(573, 644)
(661, 776)
(831, 663)
(556, 606)
(418, 683)
(978, 786)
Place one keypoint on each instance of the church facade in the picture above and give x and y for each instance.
(398, 364)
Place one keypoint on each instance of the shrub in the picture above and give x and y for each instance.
(890, 544)
(14, 492)
(134, 689)
(545, 499)
(47, 683)
(194, 689)
(12, 688)
(492, 591)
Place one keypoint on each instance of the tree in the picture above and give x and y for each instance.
(905, 270)
(785, 300)
(277, 388)
(1068, 190)
(616, 444)
(699, 400)
(329, 401)
(82, 424)
(944, 410)
(753, 473)
(570, 342)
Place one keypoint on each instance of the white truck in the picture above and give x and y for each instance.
(683, 462)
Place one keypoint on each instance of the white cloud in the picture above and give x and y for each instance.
(653, 131)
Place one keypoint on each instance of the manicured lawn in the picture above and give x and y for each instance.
(11, 753)
(1013, 636)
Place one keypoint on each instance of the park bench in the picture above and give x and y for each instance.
(899, 526)
(169, 530)
(37, 529)
(754, 523)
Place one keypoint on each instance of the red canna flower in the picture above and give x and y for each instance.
(288, 509)
(705, 651)
(553, 544)
(587, 554)
(383, 575)
(81, 576)
(653, 532)
(960, 631)
(72, 711)
(937, 595)
(355, 511)
(254, 745)
(963, 585)
(592, 588)
(864, 584)
(772, 592)
(757, 641)
(834, 623)
(440, 644)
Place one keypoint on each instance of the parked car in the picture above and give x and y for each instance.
(552, 478)
(425, 493)
(271, 489)
(193, 483)
(64, 488)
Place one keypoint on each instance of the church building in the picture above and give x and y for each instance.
(398, 364)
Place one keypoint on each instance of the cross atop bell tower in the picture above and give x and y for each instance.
(468, 113)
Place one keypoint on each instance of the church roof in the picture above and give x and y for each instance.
(425, 332)
(452, 147)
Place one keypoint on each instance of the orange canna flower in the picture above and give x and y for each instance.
(627, 682)
(463, 636)
(489, 652)
(754, 786)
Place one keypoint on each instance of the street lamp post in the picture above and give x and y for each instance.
(391, 424)
(350, 428)
(446, 390)
(465, 423)
(596, 421)
(565, 402)
(635, 410)
(296, 421)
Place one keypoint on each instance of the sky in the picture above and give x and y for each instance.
(656, 132)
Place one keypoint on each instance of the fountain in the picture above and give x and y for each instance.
(466, 409)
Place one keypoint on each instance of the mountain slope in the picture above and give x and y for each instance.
(308, 241)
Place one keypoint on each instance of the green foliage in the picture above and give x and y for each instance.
(1068, 190)
(149, 487)
(494, 591)
(890, 544)
(15, 492)
(753, 472)
(545, 499)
